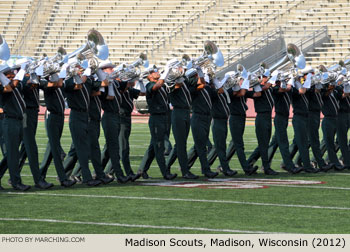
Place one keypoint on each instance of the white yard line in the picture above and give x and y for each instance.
(137, 225)
(176, 199)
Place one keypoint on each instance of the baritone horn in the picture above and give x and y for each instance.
(210, 59)
(94, 48)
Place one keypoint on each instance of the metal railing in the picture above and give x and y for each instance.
(305, 44)
(234, 54)
(27, 34)
(180, 28)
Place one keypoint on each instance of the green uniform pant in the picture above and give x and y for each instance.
(55, 124)
(329, 129)
(263, 128)
(300, 123)
(111, 128)
(31, 148)
(94, 150)
(70, 161)
(167, 144)
(78, 125)
(219, 130)
(124, 134)
(281, 125)
(314, 138)
(180, 121)
(343, 126)
(45, 163)
(13, 131)
(3, 163)
(237, 126)
(200, 125)
(158, 128)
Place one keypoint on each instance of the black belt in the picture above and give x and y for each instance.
(301, 114)
(56, 113)
(32, 108)
(14, 117)
(79, 110)
(204, 114)
(163, 114)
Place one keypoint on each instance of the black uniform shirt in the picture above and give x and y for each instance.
(13, 103)
(30, 94)
(221, 108)
(77, 99)
(180, 98)
(300, 102)
(238, 105)
(127, 105)
(331, 104)
(315, 100)
(265, 102)
(157, 100)
(201, 100)
(344, 103)
(113, 105)
(282, 101)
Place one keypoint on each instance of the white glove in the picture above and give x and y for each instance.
(347, 88)
(200, 72)
(164, 75)
(217, 83)
(142, 86)
(20, 75)
(63, 72)
(39, 70)
(245, 84)
(54, 77)
(4, 80)
(307, 83)
(257, 88)
(87, 72)
(101, 75)
(111, 90)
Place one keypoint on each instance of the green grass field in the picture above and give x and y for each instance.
(286, 207)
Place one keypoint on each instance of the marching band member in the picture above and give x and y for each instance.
(158, 106)
(55, 104)
(128, 94)
(343, 122)
(238, 107)
(111, 99)
(181, 100)
(221, 113)
(263, 126)
(330, 111)
(201, 119)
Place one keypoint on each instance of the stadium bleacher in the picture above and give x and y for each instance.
(167, 28)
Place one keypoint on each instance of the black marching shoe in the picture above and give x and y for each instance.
(93, 182)
(144, 175)
(21, 187)
(269, 171)
(339, 167)
(311, 170)
(42, 184)
(229, 173)
(122, 179)
(296, 170)
(170, 176)
(190, 175)
(327, 167)
(252, 170)
(68, 183)
(106, 180)
(134, 177)
(210, 174)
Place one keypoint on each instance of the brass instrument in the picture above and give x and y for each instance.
(210, 59)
